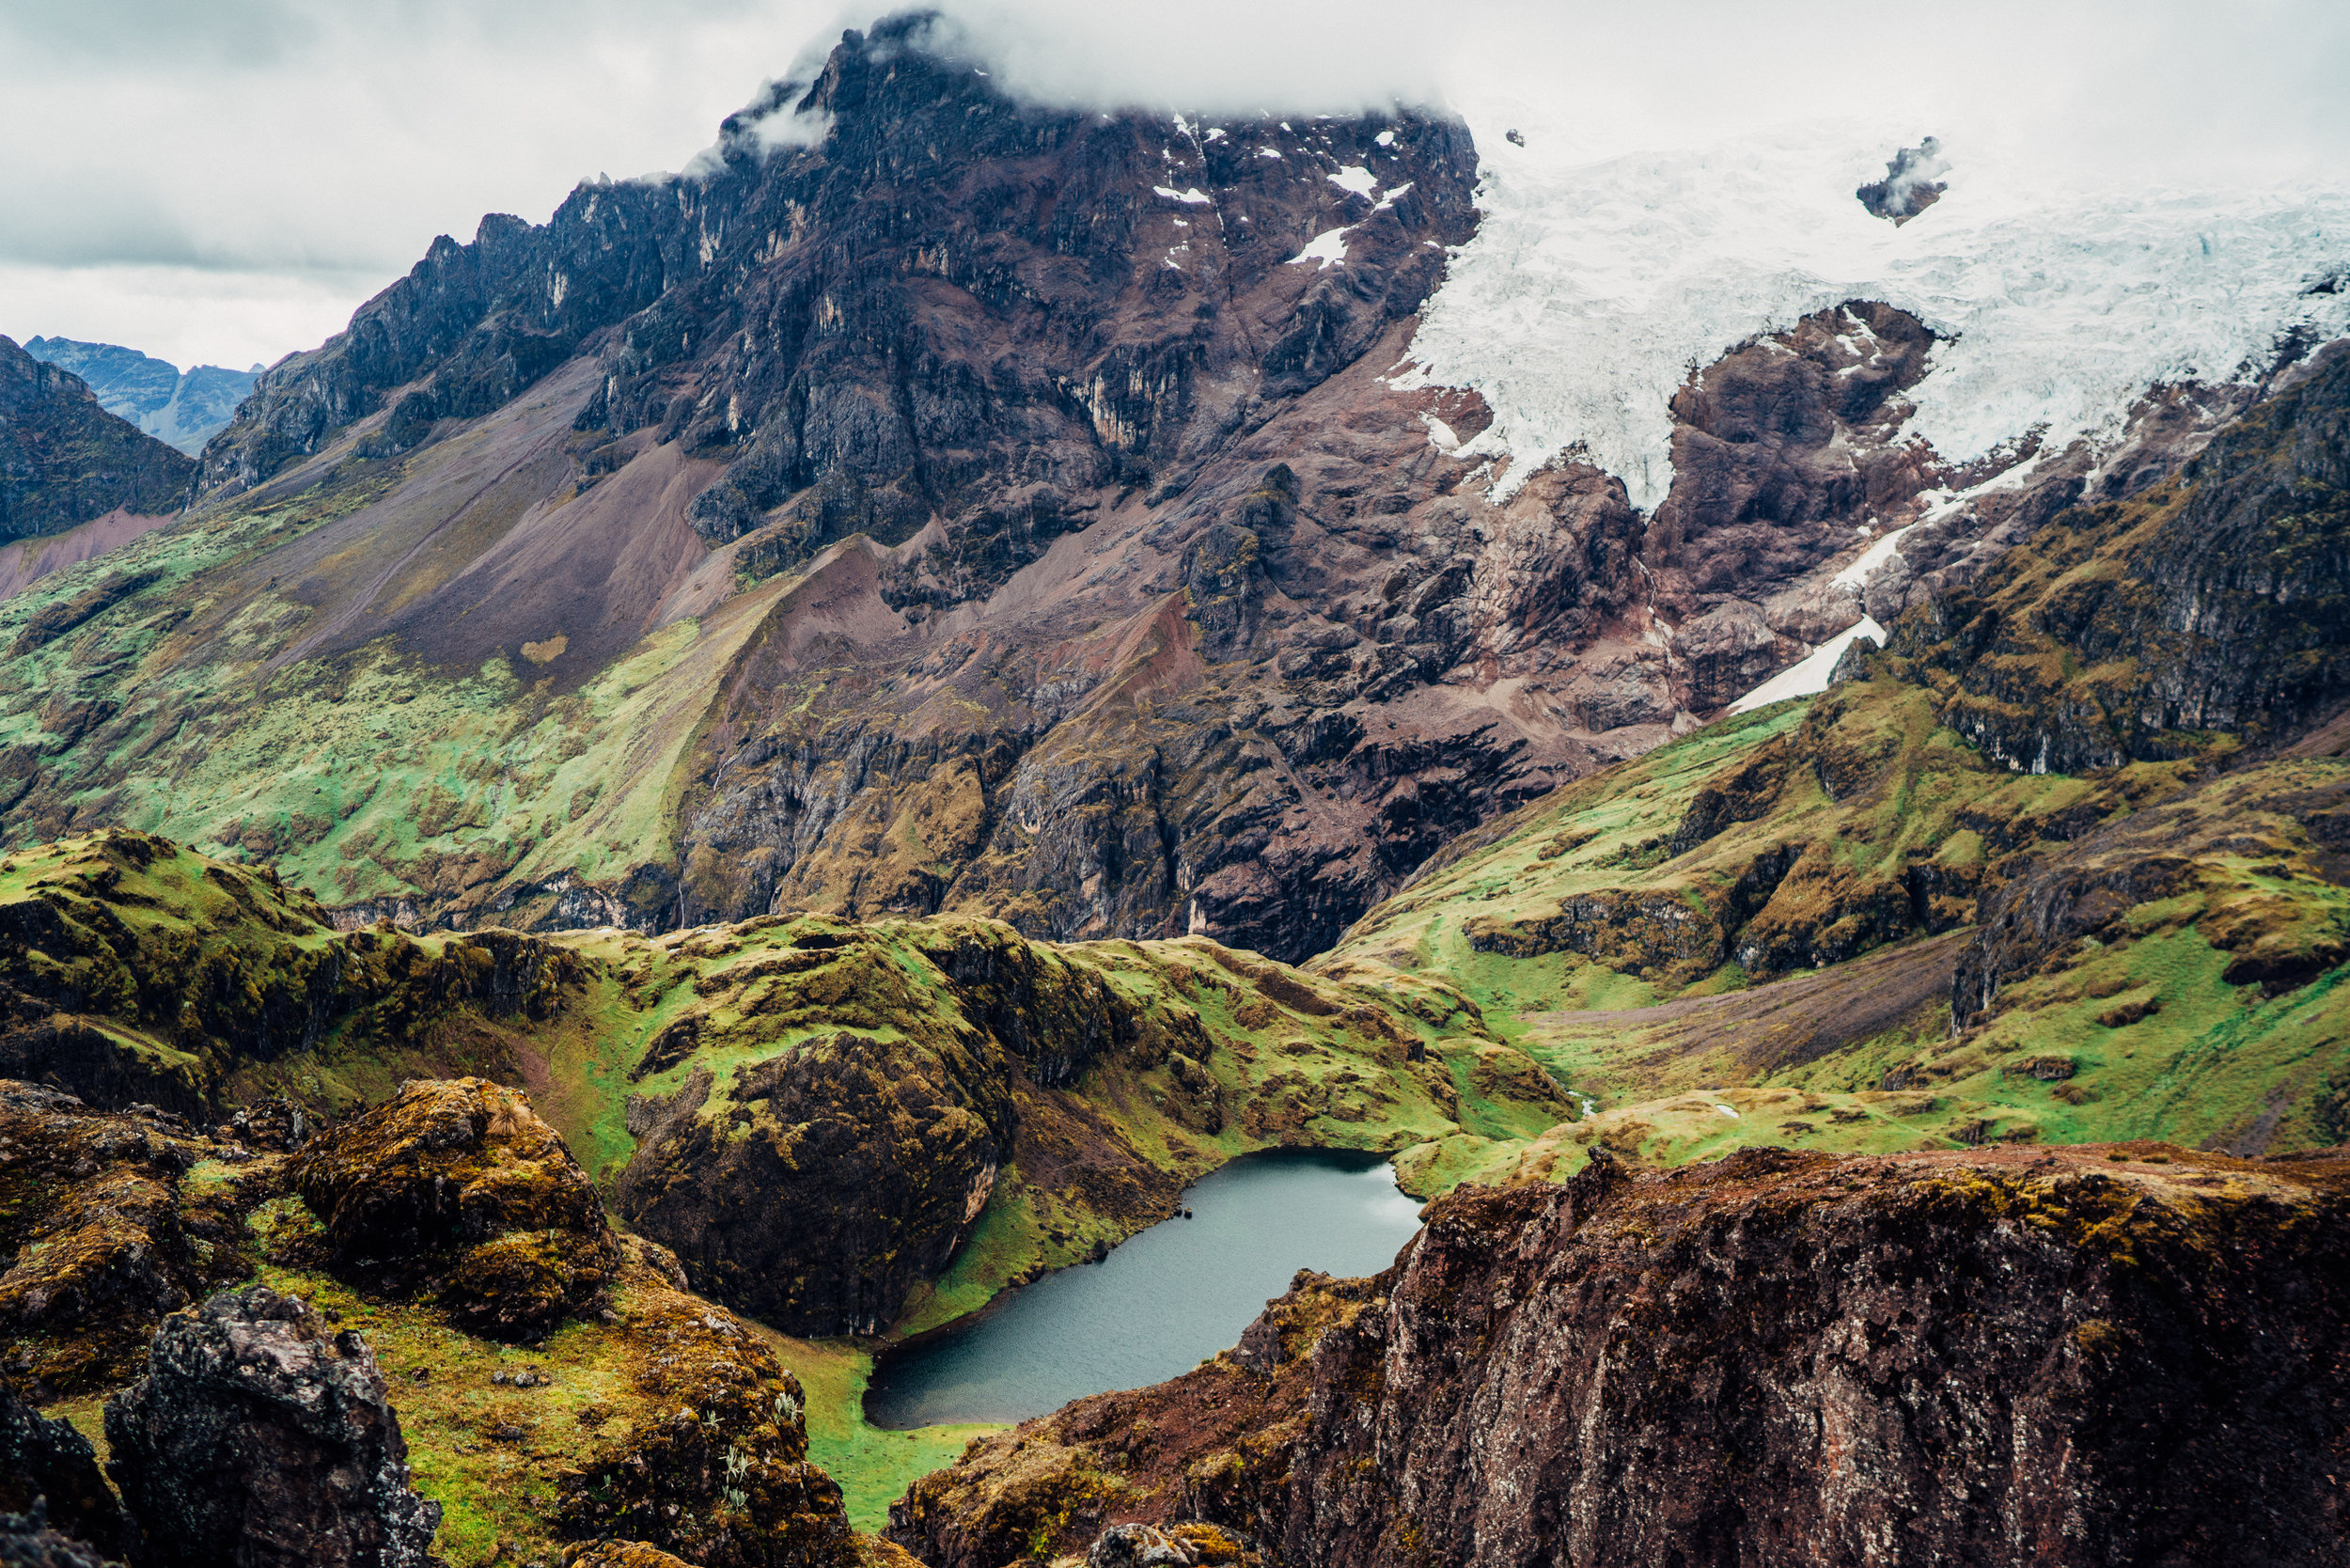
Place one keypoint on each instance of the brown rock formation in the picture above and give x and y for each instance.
(458, 1190)
(256, 1440)
(2103, 1354)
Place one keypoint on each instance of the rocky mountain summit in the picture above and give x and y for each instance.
(933, 501)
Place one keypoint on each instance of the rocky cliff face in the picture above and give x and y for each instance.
(2087, 1355)
(2218, 604)
(64, 460)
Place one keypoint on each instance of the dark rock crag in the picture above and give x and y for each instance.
(2092, 1356)
(49, 1478)
(258, 1438)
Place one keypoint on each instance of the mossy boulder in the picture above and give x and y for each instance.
(458, 1190)
(623, 1554)
(713, 1468)
(102, 1235)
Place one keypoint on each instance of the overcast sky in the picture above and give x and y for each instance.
(224, 181)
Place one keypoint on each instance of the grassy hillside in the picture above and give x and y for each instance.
(1877, 919)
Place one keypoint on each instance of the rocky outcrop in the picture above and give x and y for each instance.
(1191, 1543)
(257, 1437)
(716, 1469)
(2185, 852)
(2141, 628)
(29, 1540)
(623, 1554)
(64, 461)
(458, 1190)
(2087, 1355)
(100, 1237)
(49, 1477)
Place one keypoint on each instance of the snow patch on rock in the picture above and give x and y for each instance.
(1807, 677)
(1327, 249)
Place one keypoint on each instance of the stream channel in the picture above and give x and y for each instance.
(1161, 1301)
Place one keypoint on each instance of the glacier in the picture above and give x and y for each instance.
(1594, 288)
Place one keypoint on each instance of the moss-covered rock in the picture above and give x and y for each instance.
(133, 970)
(459, 1190)
(103, 1233)
(621, 1554)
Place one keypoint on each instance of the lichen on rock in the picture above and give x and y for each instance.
(258, 1438)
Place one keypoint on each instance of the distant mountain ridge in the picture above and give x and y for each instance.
(64, 460)
(181, 408)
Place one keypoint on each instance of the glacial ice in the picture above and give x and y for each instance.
(1592, 289)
